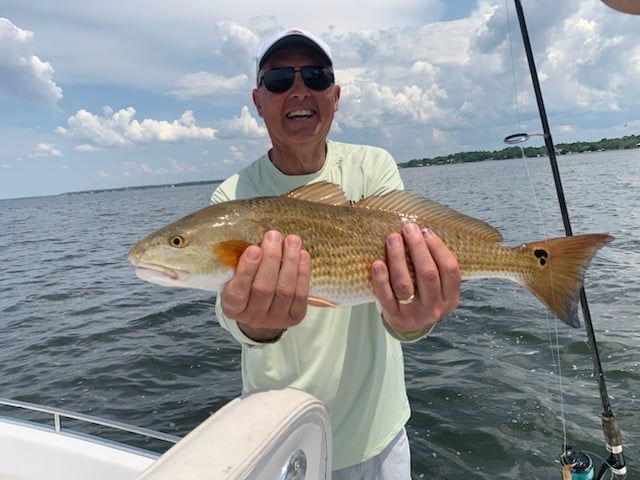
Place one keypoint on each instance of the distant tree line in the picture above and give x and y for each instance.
(631, 141)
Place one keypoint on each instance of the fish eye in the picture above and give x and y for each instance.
(178, 241)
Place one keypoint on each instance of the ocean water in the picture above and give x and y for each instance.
(495, 390)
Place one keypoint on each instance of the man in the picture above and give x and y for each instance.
(350, 358)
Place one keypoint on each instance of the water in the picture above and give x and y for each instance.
(79, 331)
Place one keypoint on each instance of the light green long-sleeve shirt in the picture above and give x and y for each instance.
(343, 356)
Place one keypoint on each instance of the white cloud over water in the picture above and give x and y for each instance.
(46, 150)
(22, 73)
(120, 129)
(419, 78)
(244, 126)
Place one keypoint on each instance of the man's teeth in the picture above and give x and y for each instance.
(300, 113)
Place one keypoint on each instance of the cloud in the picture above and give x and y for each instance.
(85, 148)
(389, 104)
(586, 56)
(174, 167)
(396, 78)
(238, 43)
(566, 128)
(46, 150)
(447, 86)
(22, 73)
(438, 87)
(206, 84)
(410, 83)
(244, 126)
(237, 155)
(119, 129)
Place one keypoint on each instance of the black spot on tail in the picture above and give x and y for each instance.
(542, 256)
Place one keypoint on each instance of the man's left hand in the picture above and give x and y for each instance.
(409, 307)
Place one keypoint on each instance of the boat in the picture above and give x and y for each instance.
(277, 434)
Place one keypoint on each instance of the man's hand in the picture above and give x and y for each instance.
(407, 307)
(269, 290)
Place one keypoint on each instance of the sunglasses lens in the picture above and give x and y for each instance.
(278, 80)
(317, 78)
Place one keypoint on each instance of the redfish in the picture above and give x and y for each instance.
(202, 249)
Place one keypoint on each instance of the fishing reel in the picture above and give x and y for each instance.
(578, 463)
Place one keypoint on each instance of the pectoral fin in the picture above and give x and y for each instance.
(229, 252)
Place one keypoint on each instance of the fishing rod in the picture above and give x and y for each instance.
(580, 462)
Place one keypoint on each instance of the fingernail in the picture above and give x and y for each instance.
(272, 236)
(378, 268)
(394, 239)
(426, 232)
(253, 254)
(293, 241)
(410, 228)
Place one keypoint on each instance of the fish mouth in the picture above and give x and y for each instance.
(159, 274)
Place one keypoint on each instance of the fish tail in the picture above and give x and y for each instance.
(559, 269)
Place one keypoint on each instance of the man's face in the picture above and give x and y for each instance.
(300, 114)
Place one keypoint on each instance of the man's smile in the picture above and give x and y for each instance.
(304, 113)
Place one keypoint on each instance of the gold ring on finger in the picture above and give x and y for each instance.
(407, 301)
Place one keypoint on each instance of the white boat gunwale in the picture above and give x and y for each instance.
(283, 434)
(58, 414)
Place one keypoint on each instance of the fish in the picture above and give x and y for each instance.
(344, 238)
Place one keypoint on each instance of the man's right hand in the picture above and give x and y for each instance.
(269, 290)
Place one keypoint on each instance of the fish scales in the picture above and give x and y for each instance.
(343, 240)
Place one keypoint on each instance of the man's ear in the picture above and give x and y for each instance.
(256, 101)
(336, 91)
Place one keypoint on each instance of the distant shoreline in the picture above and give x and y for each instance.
(623, 143)
(142, 187)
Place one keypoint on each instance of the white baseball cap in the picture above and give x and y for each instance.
(291, 36)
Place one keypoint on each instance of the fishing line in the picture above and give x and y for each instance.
(615, 463)
(552, 326)
(513, 73)
(553, 334)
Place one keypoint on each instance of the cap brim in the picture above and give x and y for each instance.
(294, 40)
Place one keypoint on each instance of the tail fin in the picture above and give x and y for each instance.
(561, 263)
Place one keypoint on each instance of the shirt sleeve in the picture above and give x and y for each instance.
(220, 194)
(234, 329)
(408, 337)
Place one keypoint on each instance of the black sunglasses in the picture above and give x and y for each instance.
(280, 79)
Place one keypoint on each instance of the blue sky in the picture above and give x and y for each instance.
(129, 93)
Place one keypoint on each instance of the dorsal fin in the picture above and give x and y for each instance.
(321, 192)
(410, 205)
